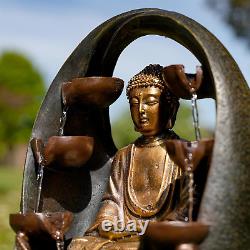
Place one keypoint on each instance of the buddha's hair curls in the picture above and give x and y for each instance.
(150, 76)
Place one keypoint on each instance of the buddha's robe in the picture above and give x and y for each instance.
(140, 188)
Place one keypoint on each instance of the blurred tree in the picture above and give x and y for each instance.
(21, 91)
(236, 13)
(123, 129)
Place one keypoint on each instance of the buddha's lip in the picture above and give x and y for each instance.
(143, 120)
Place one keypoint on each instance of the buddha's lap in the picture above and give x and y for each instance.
(96, 243)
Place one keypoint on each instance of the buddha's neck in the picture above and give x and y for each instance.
(150, 140)
(153, 138)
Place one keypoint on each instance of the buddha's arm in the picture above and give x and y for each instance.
(112, 201)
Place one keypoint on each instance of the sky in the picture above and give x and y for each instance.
(48, 31)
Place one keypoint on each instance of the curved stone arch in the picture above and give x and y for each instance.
(231, 151)
(98, 54)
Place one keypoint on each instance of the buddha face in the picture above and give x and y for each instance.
(146, 110)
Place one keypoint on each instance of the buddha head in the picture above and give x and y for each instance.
(153, 107)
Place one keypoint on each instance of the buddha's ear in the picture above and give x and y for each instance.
(173, 109)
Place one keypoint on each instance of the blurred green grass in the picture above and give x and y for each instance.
(10, 194)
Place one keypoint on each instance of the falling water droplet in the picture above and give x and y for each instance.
(189, 172)
(60, 244)
(195, 116)
(63, 120)
(59, 241)
(40, 181)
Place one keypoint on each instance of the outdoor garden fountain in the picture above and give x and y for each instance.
(69, 157)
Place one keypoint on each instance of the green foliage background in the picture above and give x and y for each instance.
(10, 190)
(21, 92)
(123, 129)
(236, 14)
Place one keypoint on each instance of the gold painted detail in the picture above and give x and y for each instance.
(151, 207)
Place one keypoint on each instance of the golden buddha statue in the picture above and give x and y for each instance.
(145, 184)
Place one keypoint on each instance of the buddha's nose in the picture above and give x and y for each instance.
(141, 108)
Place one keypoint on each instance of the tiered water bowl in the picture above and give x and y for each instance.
(61, 154)
(176, 235)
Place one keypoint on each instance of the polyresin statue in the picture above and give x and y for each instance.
(145, 184)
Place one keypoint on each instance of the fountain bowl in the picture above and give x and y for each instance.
(175, 233)
(68, 151)
(97, 91)
(178, 151)
(182, 84)
(39, 224)
(40, 230)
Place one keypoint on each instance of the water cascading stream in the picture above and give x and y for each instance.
(195, 116)
(40, 182)
(59, 241)
(63, 121)
(59, 244)
(189, 173)
(39, 176)
(189, 159)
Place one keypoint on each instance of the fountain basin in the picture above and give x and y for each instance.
(178, 151)
(176, 233)
(97, 91)
(41, 223)
(53, 225)
(64, 151)
(68, 151)
(183, 85)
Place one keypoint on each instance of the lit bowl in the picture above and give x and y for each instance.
(92, 91)
(183, 85)
(175, 233)
(39, 224)
(68, 151)
(178, 151)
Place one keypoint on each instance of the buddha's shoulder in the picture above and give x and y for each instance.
(123, 151)
(120, 158)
